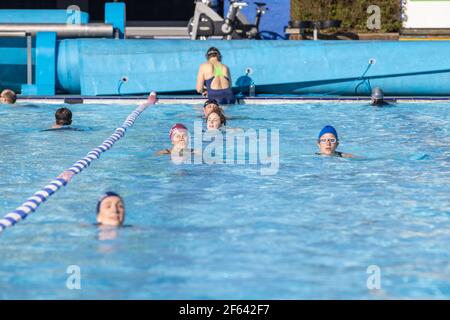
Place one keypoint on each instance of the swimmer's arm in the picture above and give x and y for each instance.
(349, 155)
(232, 129)
(162, 152)
(167, 151)
(200, 81)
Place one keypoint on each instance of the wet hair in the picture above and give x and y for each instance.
(210, 101)
(9, 95)
(104, 196)
(213, 52)
(217, 110)
(63, 117)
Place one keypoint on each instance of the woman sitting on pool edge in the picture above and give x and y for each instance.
(214, 79)
(179, 136)
(328, 142)
(110, 210)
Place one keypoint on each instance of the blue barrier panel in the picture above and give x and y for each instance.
(13, 62)
(115, 14)
(45, 66)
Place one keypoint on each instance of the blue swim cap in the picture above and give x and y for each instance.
(328, 129)
(104, 196)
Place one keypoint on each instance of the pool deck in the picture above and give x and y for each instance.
(171, 99)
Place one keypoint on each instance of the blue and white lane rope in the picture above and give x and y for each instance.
(64, 178)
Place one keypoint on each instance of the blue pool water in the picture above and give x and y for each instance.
(225, 231)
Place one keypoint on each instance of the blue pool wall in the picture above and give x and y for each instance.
(96, 67)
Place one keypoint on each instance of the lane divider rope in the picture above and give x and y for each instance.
(32, 203)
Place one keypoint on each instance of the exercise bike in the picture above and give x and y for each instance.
(207, 23)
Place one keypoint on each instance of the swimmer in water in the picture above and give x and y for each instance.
(208, 106)
(328, 142)
(214, 79)
(63, 117)
(110, 210)
(179, 136)
(377, 97)
(63, 121)
(212, 104)
(215, 120)
(8, 97)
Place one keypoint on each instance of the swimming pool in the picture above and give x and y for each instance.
(226, 231)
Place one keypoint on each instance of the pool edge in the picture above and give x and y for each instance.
(76, 99)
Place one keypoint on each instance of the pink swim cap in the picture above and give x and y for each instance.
(176, 127)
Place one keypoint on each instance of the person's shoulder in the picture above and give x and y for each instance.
(205, 65)
(206, 68)
(52, 129)
(64, 128)
(381, 104)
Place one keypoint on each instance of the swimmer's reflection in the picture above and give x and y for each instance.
(107, 233)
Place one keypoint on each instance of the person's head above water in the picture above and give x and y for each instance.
(209, 105)
(328, 140)
(179, 135)
(377, 96)
(63, 117)
(215, 119)
(8, 97)
(213, 53)
(110, 210)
